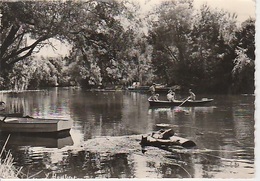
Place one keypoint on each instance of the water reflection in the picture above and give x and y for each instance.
(38, 141)
(96, 165)
(171, 162)
(171, 112)
(46, 103)
(83, 164)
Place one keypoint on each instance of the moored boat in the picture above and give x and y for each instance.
(187, 103)
(163, 138)
(138, 89)
(158, 88)
(33, 125)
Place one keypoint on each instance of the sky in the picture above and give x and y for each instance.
(243, 8)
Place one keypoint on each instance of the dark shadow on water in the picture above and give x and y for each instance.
(54, 140)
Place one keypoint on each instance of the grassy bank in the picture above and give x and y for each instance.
(7, 168)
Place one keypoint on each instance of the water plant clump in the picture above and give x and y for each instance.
(7, 168)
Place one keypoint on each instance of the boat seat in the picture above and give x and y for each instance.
(2, 118)
(10, 120)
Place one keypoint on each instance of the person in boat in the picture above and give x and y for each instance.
(2, 105)
(192, 95)
(152, 90)
(171, 95)
(156, 97)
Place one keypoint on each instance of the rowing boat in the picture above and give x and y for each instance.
(33, 125)
(188, 103)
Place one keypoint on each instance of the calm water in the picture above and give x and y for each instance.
(223, 132)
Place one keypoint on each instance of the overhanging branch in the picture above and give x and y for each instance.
(10, 59)
(9, 40)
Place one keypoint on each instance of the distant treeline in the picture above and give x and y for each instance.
(113, 43)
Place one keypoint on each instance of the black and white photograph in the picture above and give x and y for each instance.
(128, 89)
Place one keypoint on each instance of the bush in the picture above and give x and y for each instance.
(7, 168)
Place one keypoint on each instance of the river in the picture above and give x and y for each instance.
(222, 130)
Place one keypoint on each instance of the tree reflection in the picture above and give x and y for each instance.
(87, 164)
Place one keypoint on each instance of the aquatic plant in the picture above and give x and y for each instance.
(7, 168)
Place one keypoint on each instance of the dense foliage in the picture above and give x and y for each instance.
(113, 43)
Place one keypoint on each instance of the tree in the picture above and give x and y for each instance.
(244, 63)
(170, 37)
(212, 49)
(105, 42)
(94, 28)
(28, 74)
(26, 26)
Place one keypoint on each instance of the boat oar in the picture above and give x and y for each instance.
(184, 102)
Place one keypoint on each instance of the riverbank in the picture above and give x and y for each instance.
(119, 144)
(106, 147)
(7, 168)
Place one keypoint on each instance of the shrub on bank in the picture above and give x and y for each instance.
(7, 168)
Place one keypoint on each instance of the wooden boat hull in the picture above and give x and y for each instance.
(188, 103)
(34, 125)
(173, 141)
(165, 138)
